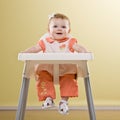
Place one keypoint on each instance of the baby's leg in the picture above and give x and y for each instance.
(44, 85)
(68, 86)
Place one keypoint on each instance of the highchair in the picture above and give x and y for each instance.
(54, 58)
(31, 59)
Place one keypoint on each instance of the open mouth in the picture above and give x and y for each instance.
(59, 33)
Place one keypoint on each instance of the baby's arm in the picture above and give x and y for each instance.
(79, 48)
(34, 49)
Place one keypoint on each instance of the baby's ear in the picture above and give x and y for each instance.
(69, 31)
(48, 30)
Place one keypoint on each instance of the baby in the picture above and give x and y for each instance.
(58, 40)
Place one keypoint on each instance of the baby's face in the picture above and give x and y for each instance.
(59, 28)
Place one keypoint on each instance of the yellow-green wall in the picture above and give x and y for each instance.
(96, 24)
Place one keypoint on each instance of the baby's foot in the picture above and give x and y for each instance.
(48, 103)
(63, 107)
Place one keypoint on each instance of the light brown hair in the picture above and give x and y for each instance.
(58, 15)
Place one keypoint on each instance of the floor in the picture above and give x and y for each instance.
(54, 115)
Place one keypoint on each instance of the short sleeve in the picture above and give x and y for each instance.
(42, 44)
(71, 43)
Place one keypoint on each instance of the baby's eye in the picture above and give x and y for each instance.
(55, 26)
(63, 26)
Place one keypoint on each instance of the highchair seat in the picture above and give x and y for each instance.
(31, 59)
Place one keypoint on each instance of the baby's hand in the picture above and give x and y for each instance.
(79, 48)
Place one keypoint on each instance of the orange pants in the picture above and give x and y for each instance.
(45, 85)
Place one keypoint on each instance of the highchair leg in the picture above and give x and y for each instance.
(89, 98)
(23, 99)
(27, 71)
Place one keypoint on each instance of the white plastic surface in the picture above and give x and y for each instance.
(55, 56)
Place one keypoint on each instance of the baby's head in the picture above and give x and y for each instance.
(58, 26)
